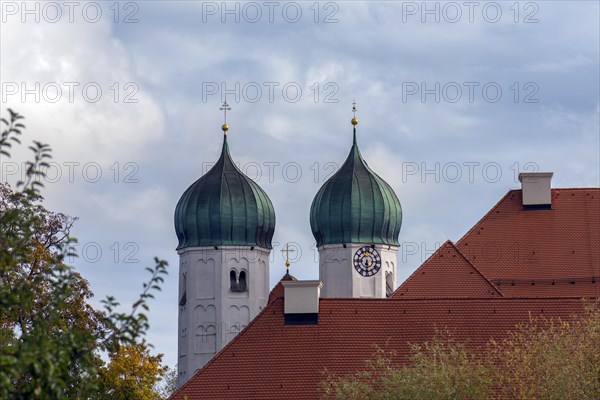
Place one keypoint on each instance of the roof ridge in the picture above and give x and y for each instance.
(579, 188)
(457, 299)
(279, 284)
(473, 228)
(476, 269)
(418, 268)
(487, 214)
(469, 264)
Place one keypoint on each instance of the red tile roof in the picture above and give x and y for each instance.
(447, 273)
(540, 252)
(521, 253)
(277, 291)
(512, 264)
(270, 360)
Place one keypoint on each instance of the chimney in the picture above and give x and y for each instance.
(301, 302)
(536, 190)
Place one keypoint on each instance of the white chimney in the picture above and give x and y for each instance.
(536, 189)
(301, 301)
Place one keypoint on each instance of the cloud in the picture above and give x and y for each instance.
(84, 95)
(370, 54)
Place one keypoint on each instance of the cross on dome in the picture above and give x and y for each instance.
(225, 107)
(287, 252)
(354, 119)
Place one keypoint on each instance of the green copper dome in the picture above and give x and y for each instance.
(355, 206)
(224, 208)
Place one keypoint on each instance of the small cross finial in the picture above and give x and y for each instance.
(354, 119)
(286, 250)
(225, 107)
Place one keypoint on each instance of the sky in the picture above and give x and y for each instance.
(454, 100)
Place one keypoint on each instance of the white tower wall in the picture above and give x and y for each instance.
(340, 278)
(212, 309)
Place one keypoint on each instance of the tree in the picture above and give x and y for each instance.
(441, 369)
(50, 336)
(169, 384)
(132, 374)
(541, 359)
(551, 358)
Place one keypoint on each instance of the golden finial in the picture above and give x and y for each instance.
(225, 107)
(354, 120)
(287, 252)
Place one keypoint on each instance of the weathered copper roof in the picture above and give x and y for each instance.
(224, 207)
(355, 205)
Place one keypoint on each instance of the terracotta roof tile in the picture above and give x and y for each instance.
(277, 291)
(525, 255)
(447, 273)
(270, 360)
(540, 252)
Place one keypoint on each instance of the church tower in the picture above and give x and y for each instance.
(225, 223)
(355, 218)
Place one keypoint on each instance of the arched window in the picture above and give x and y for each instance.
(243, 283)
(233, 284)
(389, 284)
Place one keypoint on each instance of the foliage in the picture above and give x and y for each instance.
(440, 369)
(542, 359)
(169, 384)
(10, 134)
(51, 338)
(551, 359)
(131, 374)
(444, 369)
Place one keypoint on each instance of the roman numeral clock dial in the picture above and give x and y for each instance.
(367, 261)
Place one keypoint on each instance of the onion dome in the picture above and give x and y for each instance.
(355, 205)
(224, 208)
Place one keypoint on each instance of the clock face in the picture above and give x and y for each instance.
(367, 261)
